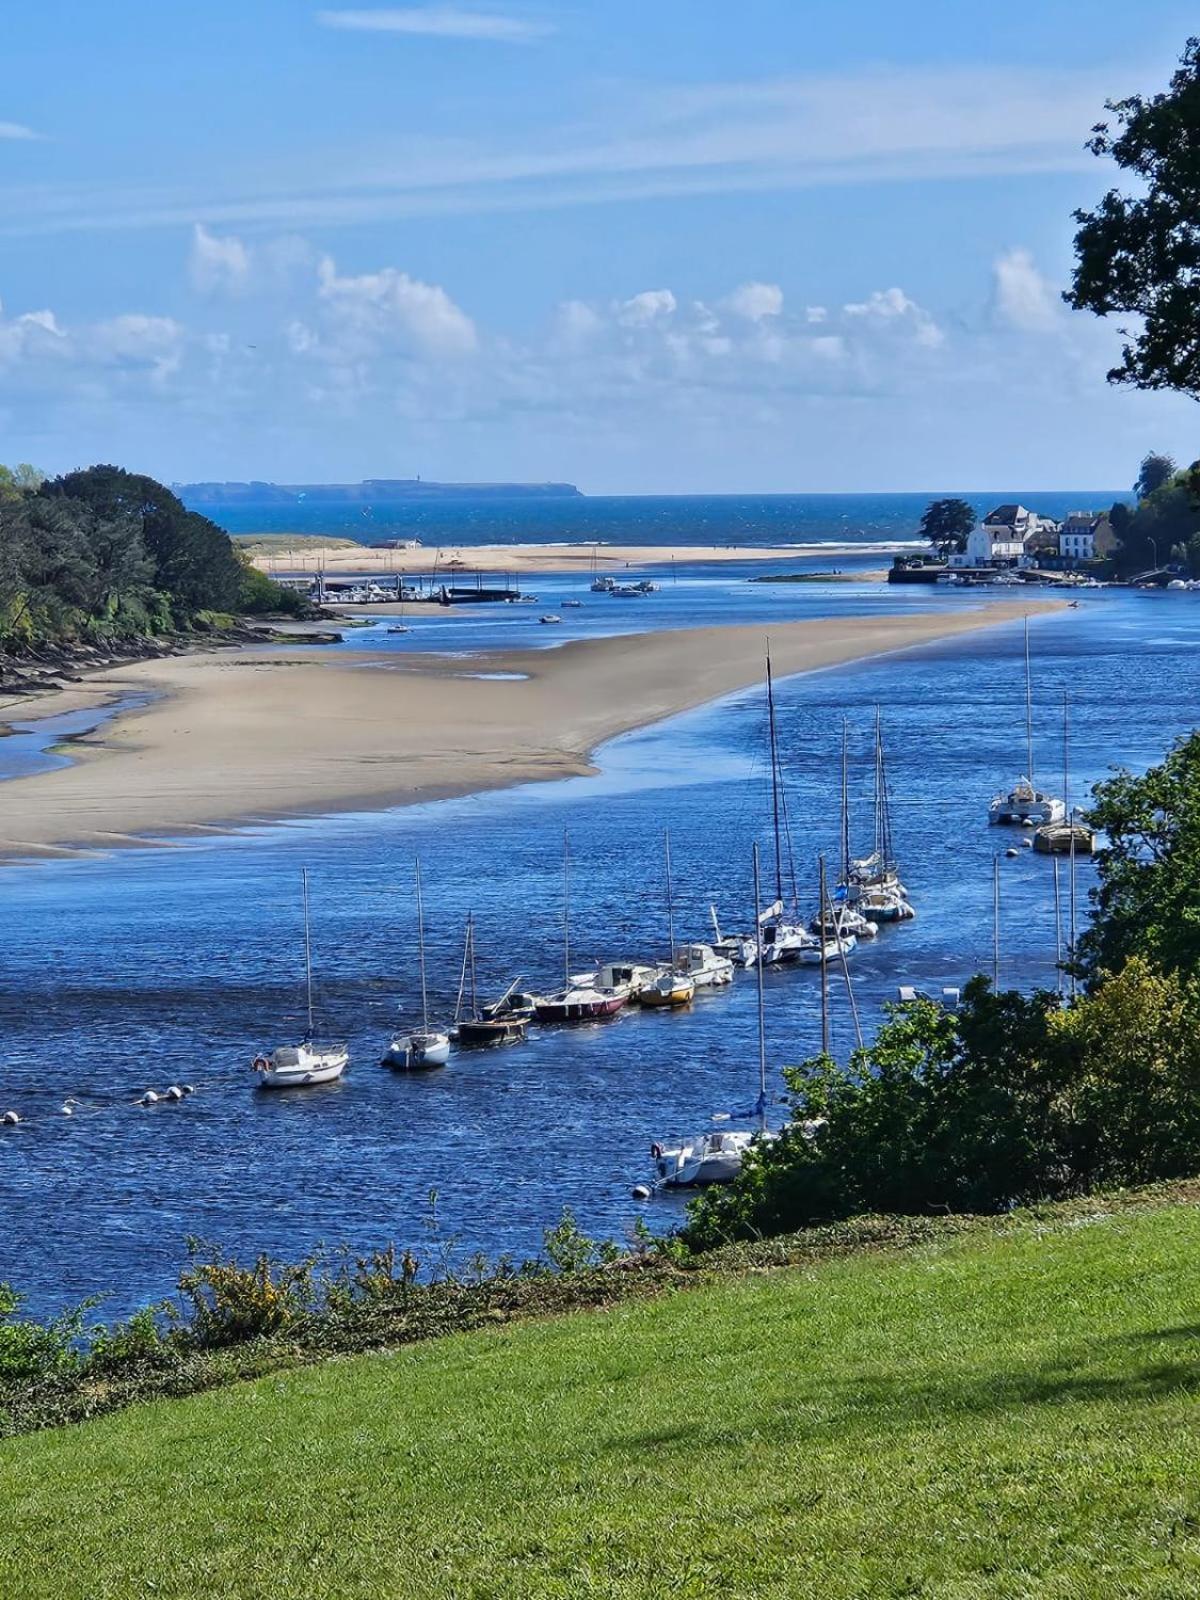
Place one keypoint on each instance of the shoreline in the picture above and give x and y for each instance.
(610, 559)
(237, 739)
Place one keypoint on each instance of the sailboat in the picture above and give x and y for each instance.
(835, 916)
(295, 1066)
(1070, 836)
(600, 584)
(669, 987)
(717, 1155)
(426, 1046)
(1025, 805)
(581, 998)
(873, 886)
(780, 939)
(484, 1025)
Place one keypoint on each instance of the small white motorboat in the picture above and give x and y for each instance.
(704, 966)
(550, 617)
(714, 1157)
(572, 603)
(669, 989)
(827, 950)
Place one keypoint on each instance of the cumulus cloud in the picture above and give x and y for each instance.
(1024, 299)
(754, 301)
(894, 306)
(16, 130)
(388, 307)
(649, 306)
(218, 264)
(438, 22)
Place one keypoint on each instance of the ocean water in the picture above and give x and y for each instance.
(149, 967)
(645, 519)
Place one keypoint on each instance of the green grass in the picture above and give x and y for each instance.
(1001, 1411)
(276, 545)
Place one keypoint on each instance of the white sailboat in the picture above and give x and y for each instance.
(836, 917)
(669, 988)
(872, 884)
(716, 1156)
(300, 1066)
(1025, 805)
(423, 1047)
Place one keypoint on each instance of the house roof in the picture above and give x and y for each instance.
(1007, 514)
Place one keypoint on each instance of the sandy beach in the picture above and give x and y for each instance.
(250, 735)
(346, 561)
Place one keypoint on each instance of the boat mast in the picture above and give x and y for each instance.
(1058, 929)
(670, 897)
(307, 950)
(883, 818)
(845, 804)
(762, 1013)
(566, 909)
(421, 949)
(471, 947)
(1070, 835)
(996, 924)
(824, 957)
(774, 781)
(1028, 710)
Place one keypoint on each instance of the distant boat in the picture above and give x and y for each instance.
(599, 584)
(572, 603)
(302, 1065)
(1071, 836)
(704, 965)
(550, 617)
(1025, 805)
(479, 1024)
(424, 1047)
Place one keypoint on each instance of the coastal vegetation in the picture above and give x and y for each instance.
(884, 1409)
(946, 525)
(105, 555)
(1015, 1098)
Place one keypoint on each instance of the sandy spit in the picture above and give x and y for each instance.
(255, 735)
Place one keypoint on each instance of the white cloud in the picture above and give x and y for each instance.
(815, 313)
(388, 305)
(894, 306)
(754, 301)
(649, 306)
(218, 264)
(17, 130)
(438, 22)
(1023, 297)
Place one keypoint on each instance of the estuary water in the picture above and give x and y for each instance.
(155, 966)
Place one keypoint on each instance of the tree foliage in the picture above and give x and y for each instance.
(1166, 524)
(1010, 1101)
(1155, 470)
(1139, 254)
(946, 524)
(104, 553)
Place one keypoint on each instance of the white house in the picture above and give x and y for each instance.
(1084, 536)
(1005, 538)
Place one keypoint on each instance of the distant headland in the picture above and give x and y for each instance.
(369, 491)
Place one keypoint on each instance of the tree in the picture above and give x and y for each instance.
(946, 524)
(1147, 898)
(1155, 470)
(1140, 254)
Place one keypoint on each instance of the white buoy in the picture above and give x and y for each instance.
(1010, 852)
(10, 1119)
(1026, 844)
(174, 1093)
(188, 1088)
(641, 1191)
(68, 1106)
(149, 1098)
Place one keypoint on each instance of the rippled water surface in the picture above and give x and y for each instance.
(157, 966)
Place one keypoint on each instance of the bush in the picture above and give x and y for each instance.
(229, 1302)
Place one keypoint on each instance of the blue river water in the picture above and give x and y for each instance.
(158, 966)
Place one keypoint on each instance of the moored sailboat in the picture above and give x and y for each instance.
(872, 885)
(1025, 805)
(478, 1024)
(424, 1047)
(302, 1065)
(580, 999)
(669, 987)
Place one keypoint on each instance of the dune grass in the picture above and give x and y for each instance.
(1000, 1413)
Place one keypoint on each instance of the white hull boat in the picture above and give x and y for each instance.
(300, 1066)
(711, 1158)
(414, 1052)
(1026, 807)
(702, 964)
(827, 949)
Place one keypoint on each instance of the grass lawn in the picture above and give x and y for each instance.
(1007, 1413)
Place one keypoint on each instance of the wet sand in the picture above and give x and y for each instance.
(255, 735)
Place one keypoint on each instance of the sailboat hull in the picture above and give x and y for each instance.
(585, 1009)
(484, 1032)
(418, 1052)
(309, 1069)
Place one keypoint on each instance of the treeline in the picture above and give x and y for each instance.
(1165, 524)
(1015, 1099)
(104, 554)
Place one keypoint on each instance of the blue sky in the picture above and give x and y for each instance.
(646, 247)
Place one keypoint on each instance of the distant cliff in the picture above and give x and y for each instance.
(371, 491)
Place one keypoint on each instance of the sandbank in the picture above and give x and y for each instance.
(268, 734)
